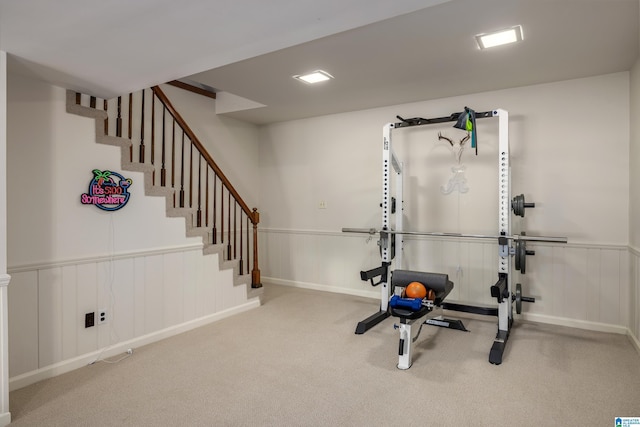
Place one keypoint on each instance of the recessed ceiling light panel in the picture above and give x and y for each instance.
(314, 77)
(498, 38)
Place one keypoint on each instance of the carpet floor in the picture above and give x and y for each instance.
(295, 361)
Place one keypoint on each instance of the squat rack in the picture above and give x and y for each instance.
(390, 238)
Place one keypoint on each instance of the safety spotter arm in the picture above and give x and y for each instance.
(499, 290)
(381, 271)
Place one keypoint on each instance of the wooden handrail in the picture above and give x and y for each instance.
(205, 154)
(192, 88)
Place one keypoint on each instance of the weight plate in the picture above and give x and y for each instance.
(517, 205)
(518, 298)
(521, 256)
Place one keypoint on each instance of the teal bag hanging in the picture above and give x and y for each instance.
(467, 121)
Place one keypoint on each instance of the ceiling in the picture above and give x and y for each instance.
(380, 52)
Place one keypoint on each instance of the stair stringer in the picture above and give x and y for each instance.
(188, 214)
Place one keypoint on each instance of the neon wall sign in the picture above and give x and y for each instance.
(108, 191)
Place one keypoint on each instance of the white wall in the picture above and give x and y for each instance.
(68, 259)
(231, 143)
(561, 136)
(5, 415)
(52, 155)
(634, 158)
(569, 148)
(634, 199)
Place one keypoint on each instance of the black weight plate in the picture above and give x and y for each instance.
(521, 256)
(517, 204)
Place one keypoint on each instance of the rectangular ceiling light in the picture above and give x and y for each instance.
(314, 77)
(498, 38)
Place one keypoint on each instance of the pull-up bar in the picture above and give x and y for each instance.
(465, 120)
(419, 121)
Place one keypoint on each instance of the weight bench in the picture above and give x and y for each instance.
(410, 310)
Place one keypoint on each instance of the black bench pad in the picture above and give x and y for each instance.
(438, 282)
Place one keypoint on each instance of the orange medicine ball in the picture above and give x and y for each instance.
(416, 290)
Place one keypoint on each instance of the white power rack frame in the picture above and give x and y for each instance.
(391, 239)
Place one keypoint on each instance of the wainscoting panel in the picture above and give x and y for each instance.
(23, 322)
(50, 309)
(153, 277)
(579, 285)
(575, 280)
(634, 300)
(87, 289)
(192, 279)
(69, 319)
(329, 261)
(123, 308)
(140, 306)
(635, 328)
(144, 295)
(173, 298)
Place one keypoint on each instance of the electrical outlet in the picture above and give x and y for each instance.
(102, 316)
(322, 205)
(89, 319)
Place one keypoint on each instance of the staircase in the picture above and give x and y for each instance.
(155, 140)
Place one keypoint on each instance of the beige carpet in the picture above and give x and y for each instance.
(296, 361)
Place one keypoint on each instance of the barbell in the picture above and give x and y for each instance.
(515, 237)
(520, 250)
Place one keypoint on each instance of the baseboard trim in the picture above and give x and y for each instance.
(316, 287)
(65, 366)
(573, 323)
(634, 340)
(5, 419)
